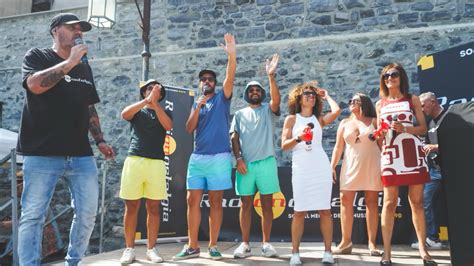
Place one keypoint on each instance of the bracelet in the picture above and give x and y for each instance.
(238, 158)
(98, 142)
(405, 129)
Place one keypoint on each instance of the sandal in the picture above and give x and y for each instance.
(375, 252)
(428, 261)
(345, 250)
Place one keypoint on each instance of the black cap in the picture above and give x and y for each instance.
(68, 19)
(207, 71)
(152, 81)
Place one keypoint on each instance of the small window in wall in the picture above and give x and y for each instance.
(41, 5)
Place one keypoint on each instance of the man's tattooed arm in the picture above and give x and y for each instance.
(94, 125)
(41, 81)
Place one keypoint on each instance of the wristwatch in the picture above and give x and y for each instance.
(298, 139)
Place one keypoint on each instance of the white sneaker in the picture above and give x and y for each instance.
(268, 250)
(430, 244)
(295, 259)
(242, 251)
(153, 256)
(327, 258)
(433, 244)
(128, 256)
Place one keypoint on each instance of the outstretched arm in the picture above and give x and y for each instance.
(96, 132)
(271, 67)
(230, 49)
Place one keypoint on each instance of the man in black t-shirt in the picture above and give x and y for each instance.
(57, 115)
(144, 171)
(432, 109)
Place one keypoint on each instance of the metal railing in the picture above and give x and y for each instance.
(13, 243)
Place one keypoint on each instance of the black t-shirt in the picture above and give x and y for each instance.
(148, 135)
(56, 123)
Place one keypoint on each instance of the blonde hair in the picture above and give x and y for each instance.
(295, 94)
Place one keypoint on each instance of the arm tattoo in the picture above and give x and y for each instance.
(94, 125)
(51, 78)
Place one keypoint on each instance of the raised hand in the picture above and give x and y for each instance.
(156, 92)
(229, 46)
(322, 93)
(271, 66)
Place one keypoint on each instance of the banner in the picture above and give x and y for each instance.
(178, 148)
(283, 210)
(449, 74)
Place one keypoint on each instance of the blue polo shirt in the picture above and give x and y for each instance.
(212, 132)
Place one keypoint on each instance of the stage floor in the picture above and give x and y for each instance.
(310, 252)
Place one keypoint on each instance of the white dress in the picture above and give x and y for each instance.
(311, 170)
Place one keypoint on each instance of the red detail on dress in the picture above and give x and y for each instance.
(403, 161)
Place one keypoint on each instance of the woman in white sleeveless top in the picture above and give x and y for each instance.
(311, 171)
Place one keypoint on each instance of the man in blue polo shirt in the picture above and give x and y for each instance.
(210, 167)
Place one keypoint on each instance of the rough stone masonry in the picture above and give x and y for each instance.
(341, 43)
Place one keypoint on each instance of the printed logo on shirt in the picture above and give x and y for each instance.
(68, 79)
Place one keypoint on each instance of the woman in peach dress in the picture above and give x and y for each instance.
(360, 170)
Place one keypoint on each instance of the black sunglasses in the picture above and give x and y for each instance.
(211, 79)
(252, 90)
(354, 101)
(393, 75)
(309, 93)
(150, 87)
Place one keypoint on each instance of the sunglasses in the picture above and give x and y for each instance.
(393, 75)
(252, 90)
(354, 101)
(150, 87)
(309, 93)
(204, 79)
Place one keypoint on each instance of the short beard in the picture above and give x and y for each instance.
(255, 101)
(208, 91)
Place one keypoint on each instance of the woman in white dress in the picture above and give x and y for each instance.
(311, 170)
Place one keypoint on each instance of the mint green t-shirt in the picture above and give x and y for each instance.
(256, 128)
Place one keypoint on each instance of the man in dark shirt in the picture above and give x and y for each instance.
(144, 172)
(57, 115)
(432, 109)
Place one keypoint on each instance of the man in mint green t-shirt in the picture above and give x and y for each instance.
(252, 131)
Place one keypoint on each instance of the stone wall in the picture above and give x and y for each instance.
(342, 44)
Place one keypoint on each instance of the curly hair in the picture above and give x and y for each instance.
(404, 84)
(296, 93)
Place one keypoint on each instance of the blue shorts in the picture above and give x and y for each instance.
(209, 172)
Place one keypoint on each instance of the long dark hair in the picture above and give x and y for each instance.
(404, 85)
(366, 105)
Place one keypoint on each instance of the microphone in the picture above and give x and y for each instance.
(308, 133)
(84, 60)
(383, 126)
(394, 119)
(205, 90)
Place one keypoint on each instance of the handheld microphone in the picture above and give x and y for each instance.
(84, 60)
(205, 91)
(308, 133)
(383, 126)
(394, 119)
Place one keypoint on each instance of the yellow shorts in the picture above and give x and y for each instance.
(143, 178)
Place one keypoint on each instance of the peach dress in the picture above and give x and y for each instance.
(360, 169)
